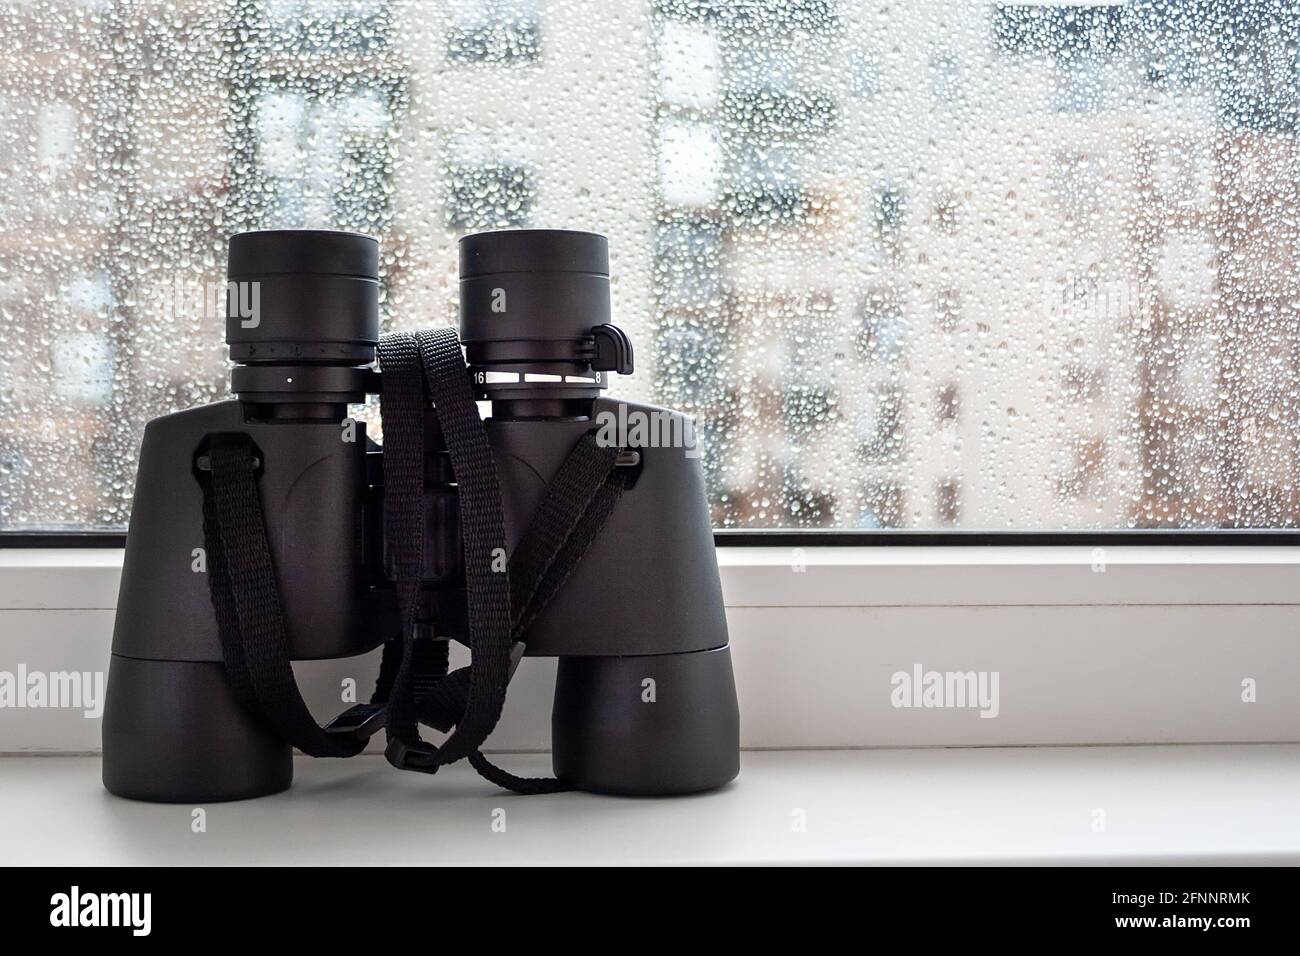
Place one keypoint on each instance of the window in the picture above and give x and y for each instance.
(328, 26)
(493, 196)
(1012, 266)
(947, 308)
(882, 506)
(947, 502)
(866, 74)
(947, 214)
(889, 209)
(947, 404)
(882, 335)
(319, 152)
(945, 76)
(504, 32)
(880, 425)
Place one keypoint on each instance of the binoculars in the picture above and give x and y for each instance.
(271, 528)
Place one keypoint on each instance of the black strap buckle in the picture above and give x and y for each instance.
(412, 755)
(360, 721)
(425, 757)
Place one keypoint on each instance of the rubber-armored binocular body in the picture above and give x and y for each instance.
(644, 701)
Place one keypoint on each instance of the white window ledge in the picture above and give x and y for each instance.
(87, 578)
(1020, 576)
(1209, 805)
(1122, 645)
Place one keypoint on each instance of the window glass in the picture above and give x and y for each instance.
(933, 264)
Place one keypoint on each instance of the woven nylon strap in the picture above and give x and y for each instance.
(436, 352)
(575, 507)
(503, 598)
(246, 599)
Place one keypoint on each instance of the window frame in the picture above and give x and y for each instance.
(880, 537)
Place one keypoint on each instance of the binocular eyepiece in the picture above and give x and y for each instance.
(302, 318)
(534, 318)
(302, 298)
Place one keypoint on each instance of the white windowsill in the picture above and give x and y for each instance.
(1210, 805)
(1017, 576)
(87, 578)
(1153, 649)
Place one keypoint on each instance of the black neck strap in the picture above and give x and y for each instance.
(503, 598)
(246, 599)
(436, 355)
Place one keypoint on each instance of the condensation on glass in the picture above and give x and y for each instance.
(930, 264)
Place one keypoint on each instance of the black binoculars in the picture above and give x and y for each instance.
(270, 528)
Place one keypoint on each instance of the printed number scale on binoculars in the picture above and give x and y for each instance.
(269, 528)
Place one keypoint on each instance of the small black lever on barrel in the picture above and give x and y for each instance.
(613, 350)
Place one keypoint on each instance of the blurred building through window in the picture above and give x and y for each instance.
(932, 265)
